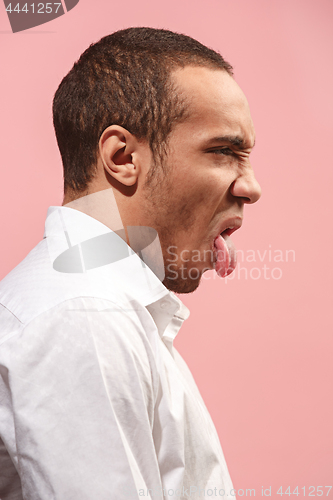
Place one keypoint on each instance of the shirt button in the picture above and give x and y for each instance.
(164, 304)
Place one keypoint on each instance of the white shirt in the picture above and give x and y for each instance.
(95, 402)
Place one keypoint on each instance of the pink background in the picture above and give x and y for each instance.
(260, 347)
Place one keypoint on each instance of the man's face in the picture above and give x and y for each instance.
(209, 179)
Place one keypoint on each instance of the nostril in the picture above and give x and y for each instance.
(247, 200)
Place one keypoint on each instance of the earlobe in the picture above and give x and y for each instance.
(116, 148)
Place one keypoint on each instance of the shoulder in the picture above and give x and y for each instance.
(35, 287)
(78, 321)
(80, 340)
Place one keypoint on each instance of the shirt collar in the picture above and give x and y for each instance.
(169, 313)
(80, 243)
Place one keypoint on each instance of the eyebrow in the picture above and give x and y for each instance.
(235, 140)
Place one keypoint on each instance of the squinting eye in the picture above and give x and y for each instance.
(223, 151)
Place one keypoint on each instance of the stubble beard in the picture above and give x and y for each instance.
(164, 216)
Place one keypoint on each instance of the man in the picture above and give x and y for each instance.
(155, 137)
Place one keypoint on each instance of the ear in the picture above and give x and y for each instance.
(117, 149)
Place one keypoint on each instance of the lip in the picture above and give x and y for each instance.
(229, 226)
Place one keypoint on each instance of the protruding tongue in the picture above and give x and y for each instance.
(226, 256)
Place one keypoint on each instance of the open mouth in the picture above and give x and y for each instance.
(226, 255)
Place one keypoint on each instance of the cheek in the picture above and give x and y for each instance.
(211, 192)
(194, 200)
(193, 209)
(220, 182)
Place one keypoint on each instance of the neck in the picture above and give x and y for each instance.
(101, 205)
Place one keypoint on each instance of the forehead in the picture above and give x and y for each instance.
(217, 105)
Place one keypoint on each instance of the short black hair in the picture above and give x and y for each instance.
(123, 79)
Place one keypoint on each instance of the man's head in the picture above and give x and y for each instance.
(124, 79)
(159, 119)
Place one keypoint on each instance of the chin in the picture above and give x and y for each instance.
(181, 284)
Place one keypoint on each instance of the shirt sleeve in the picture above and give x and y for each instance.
(81, 383)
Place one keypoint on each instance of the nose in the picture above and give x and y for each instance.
(246, 186)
